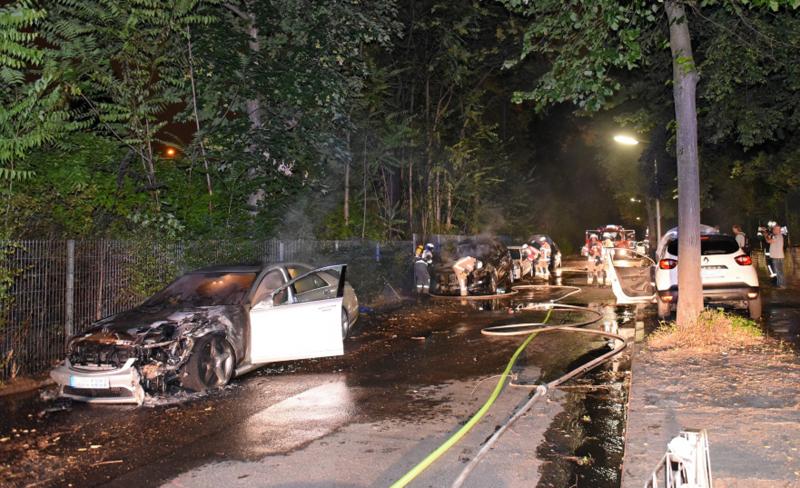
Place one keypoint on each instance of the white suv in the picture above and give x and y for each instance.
(727, 272)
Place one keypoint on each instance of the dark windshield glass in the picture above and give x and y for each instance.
(709, 245)
(204, 290)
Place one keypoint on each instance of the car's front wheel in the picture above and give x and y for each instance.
(211, 364)
(754, 307)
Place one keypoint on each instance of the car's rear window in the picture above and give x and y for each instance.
(709, 245)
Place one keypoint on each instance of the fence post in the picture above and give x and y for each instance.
(69, 319)
(378, 252)
(280, 251)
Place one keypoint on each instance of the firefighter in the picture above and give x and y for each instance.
(462, 269)
(545, 253)
(423, 257)
(531, 254)
(596, 264)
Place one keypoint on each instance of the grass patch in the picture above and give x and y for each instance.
(715, 331)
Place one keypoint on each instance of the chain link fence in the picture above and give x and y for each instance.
(56, 288)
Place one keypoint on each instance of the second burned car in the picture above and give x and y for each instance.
(208, 326)
(494, 276)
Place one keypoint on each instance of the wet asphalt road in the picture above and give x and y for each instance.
(411, 375)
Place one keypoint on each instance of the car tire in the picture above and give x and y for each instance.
(211, 364)
(663, 309)
(345, 324)
(754, 307)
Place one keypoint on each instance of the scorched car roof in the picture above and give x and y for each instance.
(231, 268)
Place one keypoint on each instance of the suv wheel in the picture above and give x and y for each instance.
(754, 307)
(663, 309)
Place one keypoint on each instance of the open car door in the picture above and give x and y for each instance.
(300, 320)
(631, 276)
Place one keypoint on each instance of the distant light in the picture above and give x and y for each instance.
(626, 140)
(638, 218)
(171, 152)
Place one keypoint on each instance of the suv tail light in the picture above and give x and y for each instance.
(668, 263)
(743, 260)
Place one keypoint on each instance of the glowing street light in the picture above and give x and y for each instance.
(626, 140)
(171, 152)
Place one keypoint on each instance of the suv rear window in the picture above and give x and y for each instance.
(709, 245)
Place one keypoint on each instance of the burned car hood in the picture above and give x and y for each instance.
(153, 323)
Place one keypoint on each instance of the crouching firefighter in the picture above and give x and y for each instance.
(422, 260)
(463, 268)
(532, 255)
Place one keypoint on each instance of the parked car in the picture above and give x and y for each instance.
(727, 273)
(555, 255)
(496, 275)
(208, 326)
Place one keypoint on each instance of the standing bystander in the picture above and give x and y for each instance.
(775, 240)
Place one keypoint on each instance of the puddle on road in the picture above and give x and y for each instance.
(584, 445)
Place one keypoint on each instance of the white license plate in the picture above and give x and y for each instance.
(88, 382)
(710, 274)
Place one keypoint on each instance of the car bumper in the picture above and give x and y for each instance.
(122, 385)
(718, 293)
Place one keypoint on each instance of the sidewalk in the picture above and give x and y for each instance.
(749, 401)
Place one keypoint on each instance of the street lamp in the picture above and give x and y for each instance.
(627, 140)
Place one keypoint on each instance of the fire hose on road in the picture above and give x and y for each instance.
(531, 330)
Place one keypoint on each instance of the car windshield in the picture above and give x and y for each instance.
(709, 245)
(204, 290)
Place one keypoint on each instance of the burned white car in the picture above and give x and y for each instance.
(208, 326)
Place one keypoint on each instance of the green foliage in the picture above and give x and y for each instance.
(33, 110)
(585, 42)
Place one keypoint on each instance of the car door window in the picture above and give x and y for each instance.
(309, 287)
(271, 282)
(295, 270)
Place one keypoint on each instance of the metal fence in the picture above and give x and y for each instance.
(54, 289)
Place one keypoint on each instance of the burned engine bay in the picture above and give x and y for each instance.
(160, 347)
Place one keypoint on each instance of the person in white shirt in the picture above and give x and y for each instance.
(775, 241)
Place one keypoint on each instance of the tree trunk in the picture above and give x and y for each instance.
(449, 219)
(690, 300)
(410, 196)
(197, 119)
(364, 210)
(347, 184)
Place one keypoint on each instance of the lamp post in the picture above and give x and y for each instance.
(627, 140)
